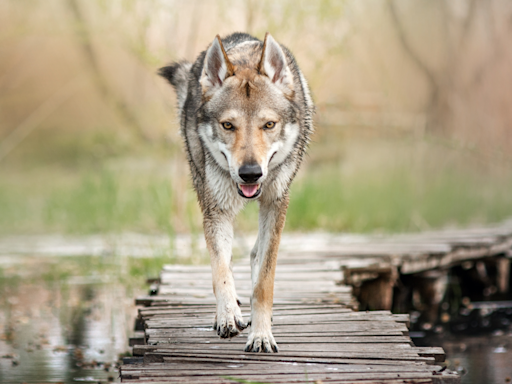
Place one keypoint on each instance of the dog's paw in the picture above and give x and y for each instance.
(229, 322)
(261, 342)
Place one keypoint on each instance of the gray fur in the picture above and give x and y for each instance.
(247, 89)
(192, 108)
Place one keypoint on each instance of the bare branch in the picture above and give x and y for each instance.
(468, 22)
(115, 101)
(408, 48)
(36, 117)
(496, 53)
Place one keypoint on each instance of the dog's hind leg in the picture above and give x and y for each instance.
(263, 269)
(218, 230)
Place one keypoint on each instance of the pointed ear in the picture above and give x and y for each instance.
(273, 64)
(216, 67)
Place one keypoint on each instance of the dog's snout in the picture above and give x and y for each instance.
(250, 173)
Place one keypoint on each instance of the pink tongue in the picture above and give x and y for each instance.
(249, 190)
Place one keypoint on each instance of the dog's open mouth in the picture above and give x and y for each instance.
(249, 191)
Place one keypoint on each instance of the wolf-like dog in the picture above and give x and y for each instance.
(246, 119)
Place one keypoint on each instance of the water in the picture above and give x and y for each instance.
(62, 330)
(474, 330)
(65, 317)
(67, 303)
(483, 359)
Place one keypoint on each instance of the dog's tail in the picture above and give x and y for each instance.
(177, 75)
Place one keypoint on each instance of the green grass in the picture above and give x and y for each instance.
(395, 201)
(351, 186)
(87, 202)
(326, 199)
(107, 202)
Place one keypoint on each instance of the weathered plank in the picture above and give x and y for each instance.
(333, 342)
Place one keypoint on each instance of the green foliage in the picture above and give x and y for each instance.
(395, 201)
(147, 267)
(347, 185)
(89, 202)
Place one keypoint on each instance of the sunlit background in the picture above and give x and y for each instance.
(412, 124)
(413, 132)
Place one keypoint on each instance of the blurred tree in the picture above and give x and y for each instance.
(455, 102)
(113, 98)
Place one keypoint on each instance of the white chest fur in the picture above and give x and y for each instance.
(223, 190)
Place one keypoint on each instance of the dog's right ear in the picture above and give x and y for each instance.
(216, 68)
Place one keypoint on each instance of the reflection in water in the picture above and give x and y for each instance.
(67, 331)
(484, 359)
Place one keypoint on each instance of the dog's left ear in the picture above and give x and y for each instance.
(274, 65)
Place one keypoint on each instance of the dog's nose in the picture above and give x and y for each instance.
(250, 173)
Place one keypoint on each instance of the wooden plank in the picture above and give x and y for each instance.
(291, 339)
(201, 319)
(304, 376)
(285, 291)
(154, 354)
(436, 352)
(418, 264)
(279, 286)
(244, 266)
(311, 357)
(218, 380)
(209, 299)
(282, 311)
(185, 366)
(284, 333)
(206, 277)
(330, 349)
(332, 326)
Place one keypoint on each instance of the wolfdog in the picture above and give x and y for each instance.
(246, 119)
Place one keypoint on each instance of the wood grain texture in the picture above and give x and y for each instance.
(320, 337)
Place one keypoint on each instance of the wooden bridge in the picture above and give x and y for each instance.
(322, 339)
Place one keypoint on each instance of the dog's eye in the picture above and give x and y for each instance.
(270, 125)
(227, 125)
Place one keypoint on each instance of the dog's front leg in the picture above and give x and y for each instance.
(218, 230)
(263, 269)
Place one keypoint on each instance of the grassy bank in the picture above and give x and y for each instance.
(396, 201)
(362, 187)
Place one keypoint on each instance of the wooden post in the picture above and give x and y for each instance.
(430, 287)
(372, 286)
(503, 274)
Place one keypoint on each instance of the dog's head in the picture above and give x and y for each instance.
(248, 118)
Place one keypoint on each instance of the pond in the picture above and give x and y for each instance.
(482, 359)
(67, 329)
(67, 309)
(67, 303)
